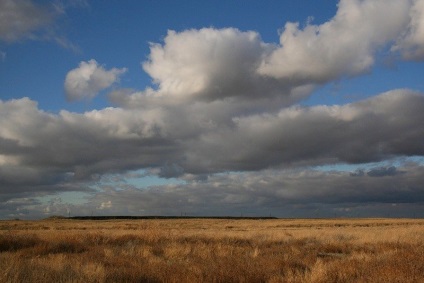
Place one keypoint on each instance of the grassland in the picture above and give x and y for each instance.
(212, 250)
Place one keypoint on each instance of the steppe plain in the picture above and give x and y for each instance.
(212, 250)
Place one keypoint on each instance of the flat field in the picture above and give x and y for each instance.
(212, 250)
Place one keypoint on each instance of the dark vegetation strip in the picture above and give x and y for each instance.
(164, 217)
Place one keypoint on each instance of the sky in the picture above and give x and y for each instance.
(211, 108)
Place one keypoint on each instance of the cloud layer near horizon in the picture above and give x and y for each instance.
(225, 101)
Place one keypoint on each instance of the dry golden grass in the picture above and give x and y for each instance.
(212, 250)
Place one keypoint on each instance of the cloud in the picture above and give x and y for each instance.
(205, 63)
(212, 66)
(383, 171)
(300, 192)
(27, 19)
(372, 130)
(105, 205)
(51, 149)
(171, 171)
(209, 64)
(55, 152)
(411, 44)
(283, 193)
(222, 116)
(20, 18)
(61, 6)
(344, 46)
(88, 79)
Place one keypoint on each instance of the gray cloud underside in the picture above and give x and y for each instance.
(366, 131)
(39, 146)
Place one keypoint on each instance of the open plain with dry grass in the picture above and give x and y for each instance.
(212, 250)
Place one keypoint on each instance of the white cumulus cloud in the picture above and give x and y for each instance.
(411, 45)
(343, 46)
(207, 63)
(88, 79)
